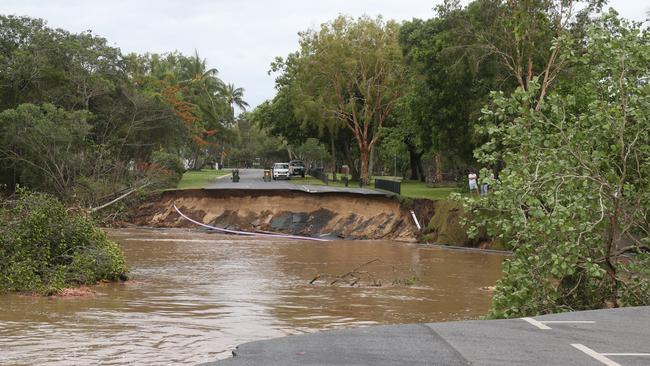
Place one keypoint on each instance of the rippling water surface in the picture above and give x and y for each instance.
(194, 296)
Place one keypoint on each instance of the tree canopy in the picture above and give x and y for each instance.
(81, 120)
(575, 208)
(348, 71)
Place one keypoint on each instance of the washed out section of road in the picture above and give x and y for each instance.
(252, 179)
(600, 337)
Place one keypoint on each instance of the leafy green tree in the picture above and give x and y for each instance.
(303, 116)
(351, 69)
(530, 39)
(311, 152)
(251, 145)
(43, 65)
(575, 209)
(46, 145)
(449, 82)
(136, 108)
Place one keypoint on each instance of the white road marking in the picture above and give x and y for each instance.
(568, 321)
(541, 324)
(598, 356)
(534, 322)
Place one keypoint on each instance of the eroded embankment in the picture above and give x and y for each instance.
(333, 214)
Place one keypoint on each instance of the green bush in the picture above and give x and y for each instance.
(45, 249)
(171, 165)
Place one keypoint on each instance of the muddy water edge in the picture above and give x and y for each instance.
(195, 295)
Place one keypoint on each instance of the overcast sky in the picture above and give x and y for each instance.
(239, 38)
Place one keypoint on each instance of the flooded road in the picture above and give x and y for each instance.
(194, 296)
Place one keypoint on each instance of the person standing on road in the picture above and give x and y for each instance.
(473, 185)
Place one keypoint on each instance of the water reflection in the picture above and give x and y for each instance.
(194, 296)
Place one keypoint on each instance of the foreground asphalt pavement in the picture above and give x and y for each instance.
(252, 179)
(601, 337)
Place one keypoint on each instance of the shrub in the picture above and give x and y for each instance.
(45, 249)
(171, 165)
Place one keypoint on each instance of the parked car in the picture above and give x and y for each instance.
(297, 167)
(281, 171)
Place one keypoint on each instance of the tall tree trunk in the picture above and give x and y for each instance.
(365, 157)
(415, 160)
(195, 159)
(223, 152)
(423, 176)
(371, 164)
(438, 166)
(352, 164)
(610, 257)
(333, 157)
(414, 165)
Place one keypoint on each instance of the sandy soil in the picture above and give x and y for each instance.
(340, 215)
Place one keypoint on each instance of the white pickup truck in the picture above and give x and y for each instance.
(281, 171)
(297, 167)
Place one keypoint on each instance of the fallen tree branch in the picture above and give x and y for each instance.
(95, 209)
(353, 273)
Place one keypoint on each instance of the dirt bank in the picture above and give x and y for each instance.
(336, 215)
(445, 228)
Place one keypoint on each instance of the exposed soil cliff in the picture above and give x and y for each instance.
(336, 215)
(445, 228)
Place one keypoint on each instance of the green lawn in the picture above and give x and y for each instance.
(200, 179)
(311, 180)
(416, 189)
(413, 189)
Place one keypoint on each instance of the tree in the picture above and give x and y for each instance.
(46, 145)
(306, 117)
(576, 209)
(449, 82)
(531, 39)
(234, 97)
(311, 151)
(352, 69)
(133, 107)
(250, 144)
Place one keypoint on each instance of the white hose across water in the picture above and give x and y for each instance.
(247, 233)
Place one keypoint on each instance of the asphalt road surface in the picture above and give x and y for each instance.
(252, 179)
(601, 337)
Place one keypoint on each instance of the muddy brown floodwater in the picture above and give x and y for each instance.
(195, 295)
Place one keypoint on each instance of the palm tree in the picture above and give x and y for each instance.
(234, 97)
(203, 80)
(196, 70)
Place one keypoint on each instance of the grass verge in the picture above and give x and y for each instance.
(200, 178)
(412, 189)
